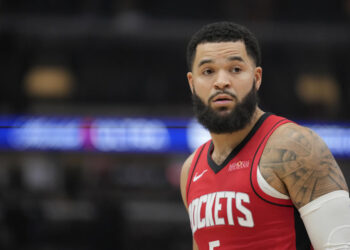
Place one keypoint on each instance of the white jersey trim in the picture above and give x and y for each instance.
(268, 189)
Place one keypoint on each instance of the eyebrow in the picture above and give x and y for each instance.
(204, 62)
(235, 58)
(231, 58)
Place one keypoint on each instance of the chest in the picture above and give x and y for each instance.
(235, 176)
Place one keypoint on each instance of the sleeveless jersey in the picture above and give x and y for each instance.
(228, 209)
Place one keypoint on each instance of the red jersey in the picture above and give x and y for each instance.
(228, 209)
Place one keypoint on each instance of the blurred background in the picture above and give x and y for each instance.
(73, 73)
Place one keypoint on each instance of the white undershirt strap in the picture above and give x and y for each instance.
(268, 189)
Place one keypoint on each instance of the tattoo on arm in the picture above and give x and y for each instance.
(302, 161)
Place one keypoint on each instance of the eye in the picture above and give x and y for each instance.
(207, 71)
(236, 69)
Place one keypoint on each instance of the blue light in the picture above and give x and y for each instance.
(337, 138)
(129, 135)
(123, 135)
(44, 133)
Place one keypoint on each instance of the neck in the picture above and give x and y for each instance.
(225, 143)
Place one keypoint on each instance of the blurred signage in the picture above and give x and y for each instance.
(123, 135)
(128, 135)
(44, 133)
(337, 137)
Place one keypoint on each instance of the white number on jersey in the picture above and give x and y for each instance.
(213, 244)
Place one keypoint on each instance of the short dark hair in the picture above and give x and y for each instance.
(224, 32)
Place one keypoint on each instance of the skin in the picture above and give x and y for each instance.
(295, 161)
(224, 66)
(299, 164)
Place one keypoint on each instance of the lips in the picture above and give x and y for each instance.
(222, 98)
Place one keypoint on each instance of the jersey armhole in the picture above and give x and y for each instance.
(260, 192)
(268, 189)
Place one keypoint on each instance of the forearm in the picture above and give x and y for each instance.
(327, 221)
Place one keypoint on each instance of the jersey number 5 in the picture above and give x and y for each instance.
(213, 244)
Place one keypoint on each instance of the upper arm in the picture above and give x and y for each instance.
(298, 162)
(183, 178)
(183, 183)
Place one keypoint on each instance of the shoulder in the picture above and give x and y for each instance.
(293, 136)
(293, 140)
(184, 176)
(298, 162)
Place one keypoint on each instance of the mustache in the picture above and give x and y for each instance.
(222, 92)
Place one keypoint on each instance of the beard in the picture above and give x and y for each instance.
(238, 118)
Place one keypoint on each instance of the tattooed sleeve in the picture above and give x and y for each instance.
(297, 162)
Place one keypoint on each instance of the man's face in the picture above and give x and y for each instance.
(224, 82)
(230, 122)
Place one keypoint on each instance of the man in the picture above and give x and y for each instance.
(261, 179)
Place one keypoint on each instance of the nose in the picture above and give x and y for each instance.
(222, 80)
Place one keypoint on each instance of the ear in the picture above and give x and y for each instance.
(258, 77)
(190, 80)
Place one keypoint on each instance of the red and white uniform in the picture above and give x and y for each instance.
(227, 207)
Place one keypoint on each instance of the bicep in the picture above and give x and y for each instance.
(195, 247)
(183, 178)
(304, 164)
(183, 184)
(313, 171)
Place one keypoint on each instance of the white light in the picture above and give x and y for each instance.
(196, 135)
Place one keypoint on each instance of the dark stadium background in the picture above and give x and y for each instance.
(127, 58)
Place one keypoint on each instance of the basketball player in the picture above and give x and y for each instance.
(262, 181)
